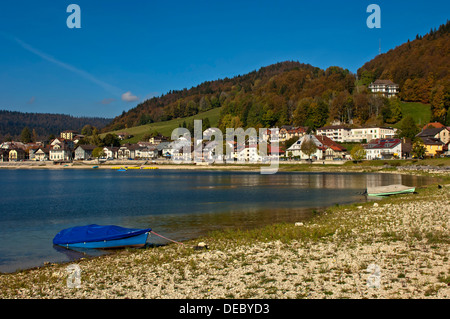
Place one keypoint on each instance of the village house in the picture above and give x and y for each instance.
(32, 149)
(62, 141)
(283, 133)
(365, 134)
(146, 152)
(110, 152)
(295, 150)
(209, 152)
(68, 135)
(155, 140)
(273, 152)
(337, 133)
(127, 151)
(385, 87)
(42, 154)
(60, 152)
(383, 148)
(248, 153)
(84, 152)
(179, 150)
(433, 146)
(17, 154)
(440, 133)
(4, 155)
(11, 145)
(296, 132)
(331, 149)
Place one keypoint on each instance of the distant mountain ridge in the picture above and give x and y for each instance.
(13, 122)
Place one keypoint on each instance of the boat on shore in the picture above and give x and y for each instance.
(101, 237)
(390, 190)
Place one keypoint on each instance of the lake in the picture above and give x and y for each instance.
(37, 204)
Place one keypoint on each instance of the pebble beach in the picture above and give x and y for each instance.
(394, 248)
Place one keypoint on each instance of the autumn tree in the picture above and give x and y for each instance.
(87, 130)
(438, 110)
(392, 111)
(418, 149)
(308, 146)
(340, 106)
(358, 153)
(361, 103)
(302, 111)
(111, 140)
(98, 152)
(408, 128)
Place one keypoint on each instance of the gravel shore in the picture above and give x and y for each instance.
(391, 248)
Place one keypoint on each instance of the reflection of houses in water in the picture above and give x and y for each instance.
(302, 181)
(336, 181)
(374, 180)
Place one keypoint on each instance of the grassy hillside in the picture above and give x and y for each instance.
(421, 113)
(165, 128)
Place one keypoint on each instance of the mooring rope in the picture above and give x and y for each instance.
(166, 238)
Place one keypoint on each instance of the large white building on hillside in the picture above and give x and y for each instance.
(342, 134)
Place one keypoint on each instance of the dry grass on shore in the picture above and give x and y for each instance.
(406, 237)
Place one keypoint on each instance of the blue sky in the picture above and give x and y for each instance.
(128, 51)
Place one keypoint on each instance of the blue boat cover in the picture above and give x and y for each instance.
(94, 232)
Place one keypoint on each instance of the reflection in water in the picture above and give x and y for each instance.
(181, 205)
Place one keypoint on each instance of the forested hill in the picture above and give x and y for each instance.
(267, 96)
(292, 93)
(421, 67)
(12, 123)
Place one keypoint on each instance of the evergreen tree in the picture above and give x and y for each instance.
(408, 128)
(25, 136)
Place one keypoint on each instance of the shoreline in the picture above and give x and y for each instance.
(406, 236)
(391, 166)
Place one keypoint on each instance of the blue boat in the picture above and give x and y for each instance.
(97, 236)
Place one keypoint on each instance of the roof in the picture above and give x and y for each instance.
(44, 149)
(297, 129)
(334, 127)
(60, 146)
(431, 141)
(274, 150)
(431, 132)
(330, 143)
(380, 143)
(162, 145)
(88, 147)
(433, 125)
(130, 146)
(383, 82)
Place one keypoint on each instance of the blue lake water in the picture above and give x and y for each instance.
(36, 204)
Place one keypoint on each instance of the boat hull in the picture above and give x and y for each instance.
(135, 241)
(390, 190)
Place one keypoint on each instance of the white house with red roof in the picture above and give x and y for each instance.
(326, 148)
(383, 148)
